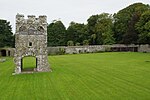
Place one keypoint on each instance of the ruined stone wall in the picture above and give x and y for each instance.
(85, 49)
(144, 48)
(97, 48)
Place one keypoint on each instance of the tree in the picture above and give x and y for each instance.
(125, 21)
(92, 21)
(56, 34)
(6, 35)
(93, 38)
(76, 32)
(108, 38)
(143, 27)
(131, 35)
(101, 29)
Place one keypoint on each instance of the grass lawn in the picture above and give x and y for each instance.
(99, 76)
(29, 63)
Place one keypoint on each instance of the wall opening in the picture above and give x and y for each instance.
(30, 44)
(40, 30)
(28, 64)
(3, 53)
(8, 53)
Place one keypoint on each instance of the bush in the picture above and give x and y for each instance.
(85, 42)
(61, 51)
(77, 44)
(70, 43)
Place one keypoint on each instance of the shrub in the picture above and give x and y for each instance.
(77, 44)
(70, 43)
(85, 42)
(61, 51)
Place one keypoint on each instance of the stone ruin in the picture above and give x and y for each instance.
(31, 40)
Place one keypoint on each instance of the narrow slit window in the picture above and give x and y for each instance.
(30, 44)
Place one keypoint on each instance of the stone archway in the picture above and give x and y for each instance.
(28, 63)
(3, 53)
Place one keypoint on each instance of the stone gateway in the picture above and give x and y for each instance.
(31, 40)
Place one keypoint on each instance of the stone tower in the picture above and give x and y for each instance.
(31, 40)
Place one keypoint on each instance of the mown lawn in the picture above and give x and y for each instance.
(99, 76)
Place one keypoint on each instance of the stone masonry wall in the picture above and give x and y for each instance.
(85, 49)
(31, 40)
(96, 48)
(144, 48)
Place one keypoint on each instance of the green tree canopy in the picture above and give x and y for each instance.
(56, 34)
(143, 27)
(100, 29)
(6, 35)
(125, 21)
(77, 32)
(91, 28)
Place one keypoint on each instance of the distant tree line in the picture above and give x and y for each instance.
(130, 25)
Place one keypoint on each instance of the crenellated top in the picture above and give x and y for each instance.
(20, 17)
(31, 25)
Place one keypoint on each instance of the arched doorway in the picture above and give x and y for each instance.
(3, 53)
(28, 63)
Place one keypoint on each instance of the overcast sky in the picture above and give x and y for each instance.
(64, 10)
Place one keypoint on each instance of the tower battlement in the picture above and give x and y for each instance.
(38, 25)
(33, 18)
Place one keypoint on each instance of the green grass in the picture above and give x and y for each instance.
(29, 63)
(99, 76)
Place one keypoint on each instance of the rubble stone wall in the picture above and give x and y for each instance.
(98, 48)
(31, 40)
(84, 49)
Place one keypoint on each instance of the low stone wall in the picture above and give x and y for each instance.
(88, 49)
(98, 48)
(144, 48)
(56, 50)
(84, 49)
